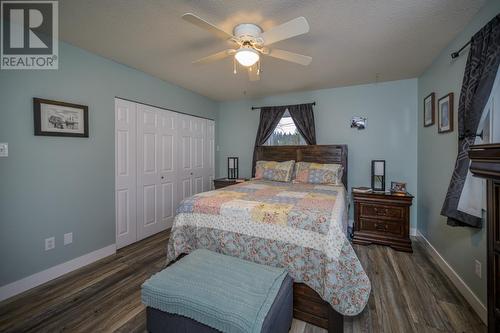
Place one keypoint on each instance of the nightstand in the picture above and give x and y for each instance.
(223, 182)
(382, 218)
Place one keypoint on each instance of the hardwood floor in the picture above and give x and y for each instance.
(409, 294)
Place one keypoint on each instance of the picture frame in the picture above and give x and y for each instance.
(55, 118)
(445, 114)
(398, 187)
(429, 109)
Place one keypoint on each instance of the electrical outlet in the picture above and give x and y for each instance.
(50, 243)
(478, 268)
(68, 238)
(4, 149)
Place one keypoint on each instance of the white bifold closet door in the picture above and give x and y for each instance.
(156, 169)
(210, 156)
(125, 172)
(194, 171)
(161, 157)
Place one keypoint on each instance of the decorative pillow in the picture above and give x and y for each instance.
(277, 171)
(317, 173)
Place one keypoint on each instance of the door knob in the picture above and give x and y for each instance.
(191, 173)
(162, 177)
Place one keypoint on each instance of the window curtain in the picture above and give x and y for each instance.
(480, 71)
(303, 117)
(270, 116)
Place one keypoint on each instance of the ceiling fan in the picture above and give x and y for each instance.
(251, 42)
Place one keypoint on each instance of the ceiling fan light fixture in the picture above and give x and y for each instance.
(247, 56)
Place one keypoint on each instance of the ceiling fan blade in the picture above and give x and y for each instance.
(286, 30)
(290, 56)
(214, 57)
(201, 23)
(253, 74)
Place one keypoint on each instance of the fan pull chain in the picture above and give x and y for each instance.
(234, 65)
(258, 67)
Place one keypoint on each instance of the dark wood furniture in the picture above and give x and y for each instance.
(382, 218)
(223, 182)
(310, 153)
(307, 304)
(486, 164)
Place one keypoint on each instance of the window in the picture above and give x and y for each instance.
(285, 133)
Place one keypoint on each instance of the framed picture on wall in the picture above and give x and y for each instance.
(429, 110)
(53, 118)
(445, 114)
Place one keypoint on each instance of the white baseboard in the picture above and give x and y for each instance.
(44, 276)
(462, 287)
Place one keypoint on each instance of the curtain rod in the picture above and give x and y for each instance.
(260, 107)
(456, 54)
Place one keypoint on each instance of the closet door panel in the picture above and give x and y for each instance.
(148, 189)
(161, 158)
(210, 155)
(197, 140)
(168, 198)
(186, 188)
(125, 172)
(149, 154)
(186, 157)
(168, 153)
(149, 210)
(198, 152)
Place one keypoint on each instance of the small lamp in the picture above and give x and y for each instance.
(378, 175)
(232, 168)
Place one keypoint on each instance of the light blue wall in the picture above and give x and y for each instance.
(436, 158)
(391, 134)
(51, 185)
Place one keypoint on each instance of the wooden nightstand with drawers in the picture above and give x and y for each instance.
(382, 218)
(223, 182)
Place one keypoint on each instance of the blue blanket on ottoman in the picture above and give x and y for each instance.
(226, 293)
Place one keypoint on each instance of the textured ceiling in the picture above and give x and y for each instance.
(351, 41)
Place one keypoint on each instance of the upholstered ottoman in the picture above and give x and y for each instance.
(210, 292)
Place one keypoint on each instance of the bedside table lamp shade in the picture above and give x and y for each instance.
(378, 175)
(232, 167)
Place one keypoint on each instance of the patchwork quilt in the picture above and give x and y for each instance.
(300, 227)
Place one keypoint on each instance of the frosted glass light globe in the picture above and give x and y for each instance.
(247, 56)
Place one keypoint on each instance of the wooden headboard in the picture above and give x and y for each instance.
(310, 153)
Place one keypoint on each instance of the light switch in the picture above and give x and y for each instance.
(4, 149)
(50, 243)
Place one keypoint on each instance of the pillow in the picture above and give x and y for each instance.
(277, 171)
(317, 173)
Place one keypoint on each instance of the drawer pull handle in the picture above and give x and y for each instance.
(384, 211)
(380, 226)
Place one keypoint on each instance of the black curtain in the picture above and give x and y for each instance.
(480, 72)
(270, 116)
(303, 117)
